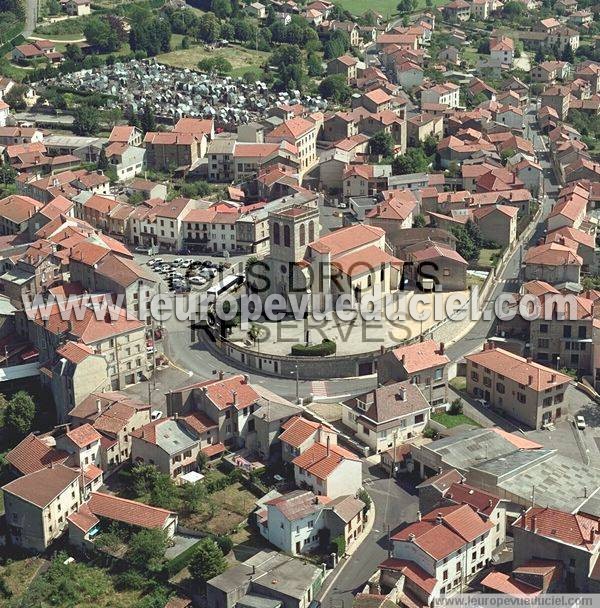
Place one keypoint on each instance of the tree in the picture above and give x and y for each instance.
(221, 8)
(419, 221)
(335, 88)
(208, 561)
(19, 414)
(164, 494)
(147, 550)
(414, 161)
(152, 36)
(208, 28)
(381, 144)
(337, 45)
(467, 243)
(456, 407)
(143, 478)
(539, 56)
(364, 496)
(406, 6)
(513, 8)
(86, 120)
(430, 145)
(567, 54)
(224, 543)
(102, 163)
(201, 461)
(15, 98)
(314, 65)
(8, 174)
(148, 121)
(100, 33)
(215, 64)
(193, 496)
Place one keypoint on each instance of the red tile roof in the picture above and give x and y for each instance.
(298, 430)
(482, 502)
(83, 518)
(319, 463)
(525, 372)
(345, 239)
(420, 356)
(576, 530)
(221, 392)
(412, 571)
(84, 435)
(128, 511)
(504, 583)
(32, 454)
(74, 351)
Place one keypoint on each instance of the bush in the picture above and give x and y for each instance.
(430, 433)
(364, 496)
(327, 347)
(456, 408)
(224, 543)
(338, 545)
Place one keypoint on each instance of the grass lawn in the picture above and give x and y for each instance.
(487, 257)
(241, 59)
(227, 509)
(451, 421)
(19, 574)
(458, 383)
(386, 7)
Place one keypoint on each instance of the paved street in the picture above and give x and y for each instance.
(393, 506)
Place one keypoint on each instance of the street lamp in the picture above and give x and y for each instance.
(297, 372)
(557, 362)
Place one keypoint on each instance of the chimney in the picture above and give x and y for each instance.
(419, 516)
(442, 348)
(245, 379)
(99, 406)
(221, 374)
(530, 380)
(438, 519)
(328, 442)
(403, 393)
(404, 360)
(490, 502)
(529, 360)
(553, 378)
(234, 395)
(411, 537)
(534, 524)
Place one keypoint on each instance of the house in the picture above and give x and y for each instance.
(502, 51)
(127, 161)
(301, 134)
(267, 577)
(497, 223)
(298, 522)
(36, 50)
(408, 74)
(582, 242)
(257, 10)
(528, 392)
(103, 509)
(37, 505)
(394, 214)
(572, 540)
(445, 266)
(15, 213)
(423, 363)
(328, 470)
(457, 11)
(557, 97)
(447, 93)
(387, 415)
(173, 444)
(299, 434)
(78, 8)
(346, 65)
(553, 263)
(451, 544)
(548, 72)
(170, 151)
(422, 126)
(114, 415)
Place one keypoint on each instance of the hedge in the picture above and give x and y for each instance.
(338, 545)
(181, 561)
(327, 347)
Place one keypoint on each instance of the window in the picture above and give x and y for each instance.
(302, 234)
(566, 331)
(543, 343)
(419, 418)
(500, 388)
(487, 381)
(544, 328)
(521, 398)
(445, 575)
(582, 332)
(286, 236)
(475, 376)
(276, 237)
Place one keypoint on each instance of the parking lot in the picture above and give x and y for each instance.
(183, 273)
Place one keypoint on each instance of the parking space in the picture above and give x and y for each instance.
(181, 274)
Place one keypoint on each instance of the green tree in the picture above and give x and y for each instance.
(208, 28)
(15, 98)
(193, 496)
(100, 33)
(224, 543)
(86, 120)
(102, 163)
(164, 493)
(539, 56)
(337, 44)
(314, 65)
(147, 550)
(513, 8)
(567, 54)
(143, 478)
(208, 561)
(468, 244)
(19, 414)
(364, 496)
(413, 161)
(8, 174)
(382, 144)
(221, 8)
(148, 121)
(430, 145)
(406, 6)
(215, 64)
(335, 88)
(201, 461)
(419, 221)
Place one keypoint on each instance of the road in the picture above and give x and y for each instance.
(31, 8)
(373, 550)
(394, 505)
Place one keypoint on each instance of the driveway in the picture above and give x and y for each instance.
(394, 505)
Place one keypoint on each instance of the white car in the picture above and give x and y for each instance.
(158, 261)
(580, 422)
(185, 264)
(197, 280)
(156, 414)
(151, 262)
(164, 269)
(209, 273)
(177, 262)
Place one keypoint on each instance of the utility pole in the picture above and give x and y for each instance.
(297, 384)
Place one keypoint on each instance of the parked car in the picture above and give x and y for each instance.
(580, 422)
(158, 261)
(177, 262)
(185, 264)
(198, 281)
(209, 273)
(156, 414)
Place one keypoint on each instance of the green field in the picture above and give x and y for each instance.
(450, 421)
(386, 7)
(241, 59)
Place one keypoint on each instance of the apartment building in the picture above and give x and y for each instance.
(527, 391)
(168, 151)
(447, 93)
(302, 134)
(37, 505)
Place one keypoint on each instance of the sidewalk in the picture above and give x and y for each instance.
(330, 580)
